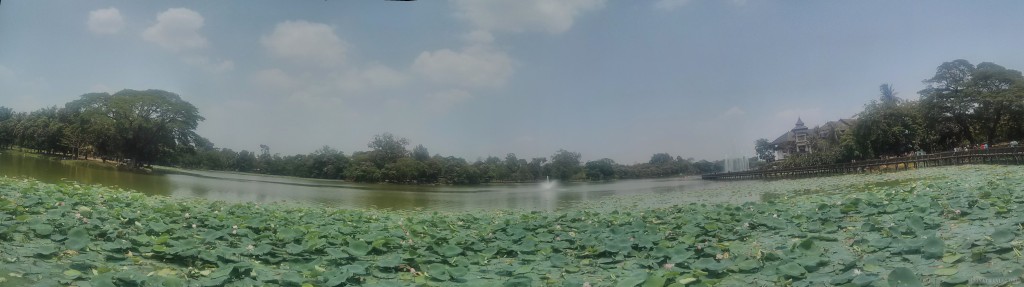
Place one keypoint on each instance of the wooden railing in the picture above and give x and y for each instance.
(1008, 155)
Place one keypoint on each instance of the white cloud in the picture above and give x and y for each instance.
(329, 87)
(479, 37)
(376, 76)
(273, 79)
(305, 43)
(524, 15)
(732, 112)
(669, 5)
(6, 73)
(105, 21)
(176, 29)
(444, 100)
(474, 66)
(212, 66)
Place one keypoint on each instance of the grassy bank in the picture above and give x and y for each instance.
(939, 226)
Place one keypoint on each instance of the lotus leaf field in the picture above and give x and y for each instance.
(950, 226)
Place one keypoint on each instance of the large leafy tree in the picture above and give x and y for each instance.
(765, 150)
(602, 169)
(999, 93)
(660, 159)
(948, 104)
(564, 164)
(152, 123)
(884, 129)
(420, 153)
(386, 149)
(7, 127)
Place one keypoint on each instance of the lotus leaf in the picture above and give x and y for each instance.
(450, 251)
(946, 271)
(793, 270)
(78, 238)
(358, 248)
(933, 248)
(1002, 235)
(903, 277)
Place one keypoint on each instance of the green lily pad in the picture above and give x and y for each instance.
(946, 271)
(358, 248)
(1002, 235)
(952, 258)
(933, 248)
(78, 238)
(792, 269)
(450, 251)
(903, 277)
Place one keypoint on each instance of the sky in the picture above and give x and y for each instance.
(618, 79)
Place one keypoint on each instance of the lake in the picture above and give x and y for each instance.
(239, 187)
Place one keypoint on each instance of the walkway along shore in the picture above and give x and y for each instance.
(1009, 155)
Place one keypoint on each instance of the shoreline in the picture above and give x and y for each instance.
(154, 169)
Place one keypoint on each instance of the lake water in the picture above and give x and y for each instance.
(236, 187)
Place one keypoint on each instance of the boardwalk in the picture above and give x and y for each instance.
(1010, 155)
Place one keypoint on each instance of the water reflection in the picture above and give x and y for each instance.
(236, 187)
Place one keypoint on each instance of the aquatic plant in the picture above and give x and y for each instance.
(941, 226)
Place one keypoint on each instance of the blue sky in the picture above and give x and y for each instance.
(617, 79)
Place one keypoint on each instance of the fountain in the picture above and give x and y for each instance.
(548, 184)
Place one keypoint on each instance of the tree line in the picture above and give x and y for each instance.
(963, 106)
(141, 128)
(390, 160)
(136, 128)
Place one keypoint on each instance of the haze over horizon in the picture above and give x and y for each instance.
(622, 80)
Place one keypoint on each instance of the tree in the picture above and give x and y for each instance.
(602, 169)
(408, 169)
(705, 166)
(999, 96)
(565, 164)
(7, 127)
(948, 103)
(660, 159)
(386, 148)
(887, 130)
(245, 161)
(420, 153)
(765, 150)
(140, 125)
(327, 163)
(536, 167)
(888, 94)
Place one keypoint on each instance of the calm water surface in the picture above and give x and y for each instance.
(235, 187)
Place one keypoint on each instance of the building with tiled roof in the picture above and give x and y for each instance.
(801, 139)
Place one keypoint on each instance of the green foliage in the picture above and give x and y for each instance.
(888, 129)
(764, 149)
(564, 165)
(7, 127)
(386, 148)
(420, 153)
(966, 104)
(963, 106)
(135, 127)
(956, 227)
(660, 158)
(602, 169)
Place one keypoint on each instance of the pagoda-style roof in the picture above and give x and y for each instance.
(799, 124)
